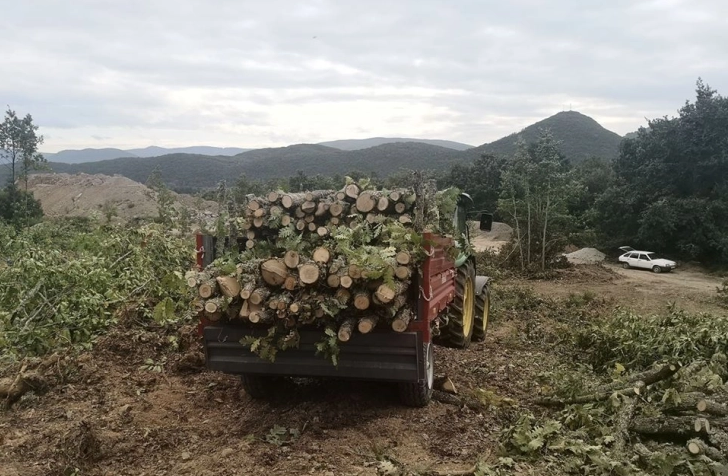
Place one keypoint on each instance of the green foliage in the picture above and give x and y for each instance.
(267, 346)
(328, 347)
(166, 214)
(19, 146)
(637, 341)
(481, 179)
(19, 208)
(63, 284)
(282, 436)
(671, 187)
(723, 294)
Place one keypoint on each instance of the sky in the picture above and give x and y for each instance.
(250, 74)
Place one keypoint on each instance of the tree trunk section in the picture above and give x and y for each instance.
(400, 323)
(274, 271)
(259, 295)
(321, 255)
(361, 300)
(207, 289)
(403, 258)
(352, 191)
(229, 286)
(291, 200)
(346, 329)
(309, 273)
(292, 259)
(366, 202)
(367, 324)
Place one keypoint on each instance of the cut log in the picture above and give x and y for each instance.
(312, 227)
(366, 202)
(402, 272)
(213, 305)
(597, 396)
(334, 221)
(316, 195)
(321, 255)
(301, 225)
(649, 377)
(290, 283)
(351, 191)
(291, 200)
(337, 209)
(343, 296)
(274, 196)
(274, 271)
(244, 310)
(719, 439)
(262, 317)
(679, 425)
(286, 220)
(259, 295)
(292, 259)
(383, 204)
(192, 281)
(246, 290)
(395, 195)
(229, 286)
(309, 208)
(309, 219)
(345, 281)
(386, 293)
(347, 329)
(322, 231)
(697, 447)
(400, 207)
(257, 204)
(405, 219)
(367, 324)
(354, 271)
(298, 213)
(258, 222)
(207, 289)
(361, 300)
(403, 258)
(322, 209)
(308, 273)
(250, 244)
(446, 385)
(340, 195)
(198, 306)
(333, 280)
(624, 419)
(272, 304)
(283, 301)
(712, 408)
(373, 218)
(13, 388)
(294, 307)
(701, 424)
(250, 234)
(400, 323)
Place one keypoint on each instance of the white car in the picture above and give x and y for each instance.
(645, 259)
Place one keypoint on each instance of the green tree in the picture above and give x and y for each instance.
(164, 197)
(670, 192)
(481, 179)
(19, 146)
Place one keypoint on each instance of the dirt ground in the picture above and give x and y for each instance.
(109, 414)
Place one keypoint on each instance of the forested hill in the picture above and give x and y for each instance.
(198, 171)
(580, 136)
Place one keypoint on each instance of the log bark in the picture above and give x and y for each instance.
(403, 258)
(680, 425)
(291, 200)
(274, 271)
(621, 431)
(308, 273)
(649, 377)
(366, 202)
(636, 389)
(299, 213)
(229, 286)
(292, 259)
(259, 295)
(321, 255)
(316, 195)
(347, 329)
(367, 324)
(400, 323)
(361, 300)
(12, 389)
(322, 209)
(262, 317)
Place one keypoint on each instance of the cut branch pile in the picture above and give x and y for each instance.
(667, 405)
(309, 256)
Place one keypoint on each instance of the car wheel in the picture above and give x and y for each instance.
(656, 269)
(625, 265)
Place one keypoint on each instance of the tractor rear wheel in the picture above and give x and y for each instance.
(482, 313)
(461, 317)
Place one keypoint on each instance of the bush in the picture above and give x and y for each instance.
(62, 284)
(19, 208)
(637, 341)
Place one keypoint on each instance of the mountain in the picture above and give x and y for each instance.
(154, 151)
(71, 156)
(356, 144)
(190, 171)
(580, 137)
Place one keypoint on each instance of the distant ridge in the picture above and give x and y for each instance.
(357, 144)
(580, 136)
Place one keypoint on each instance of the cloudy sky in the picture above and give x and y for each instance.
(105, 73)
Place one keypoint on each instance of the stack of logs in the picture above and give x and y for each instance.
(293, 288)
(668, 404)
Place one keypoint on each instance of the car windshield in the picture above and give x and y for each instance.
(651, 256)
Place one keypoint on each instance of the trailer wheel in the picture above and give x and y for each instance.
(257, 386)
(419, 394)
(461, 316)
(482, 313)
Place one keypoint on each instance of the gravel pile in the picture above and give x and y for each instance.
(585, 256)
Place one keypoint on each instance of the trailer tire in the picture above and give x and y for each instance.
(482, 315)
(461, 316)
(419, 394)
(257, 387)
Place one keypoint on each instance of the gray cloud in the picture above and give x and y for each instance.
(250, 73)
